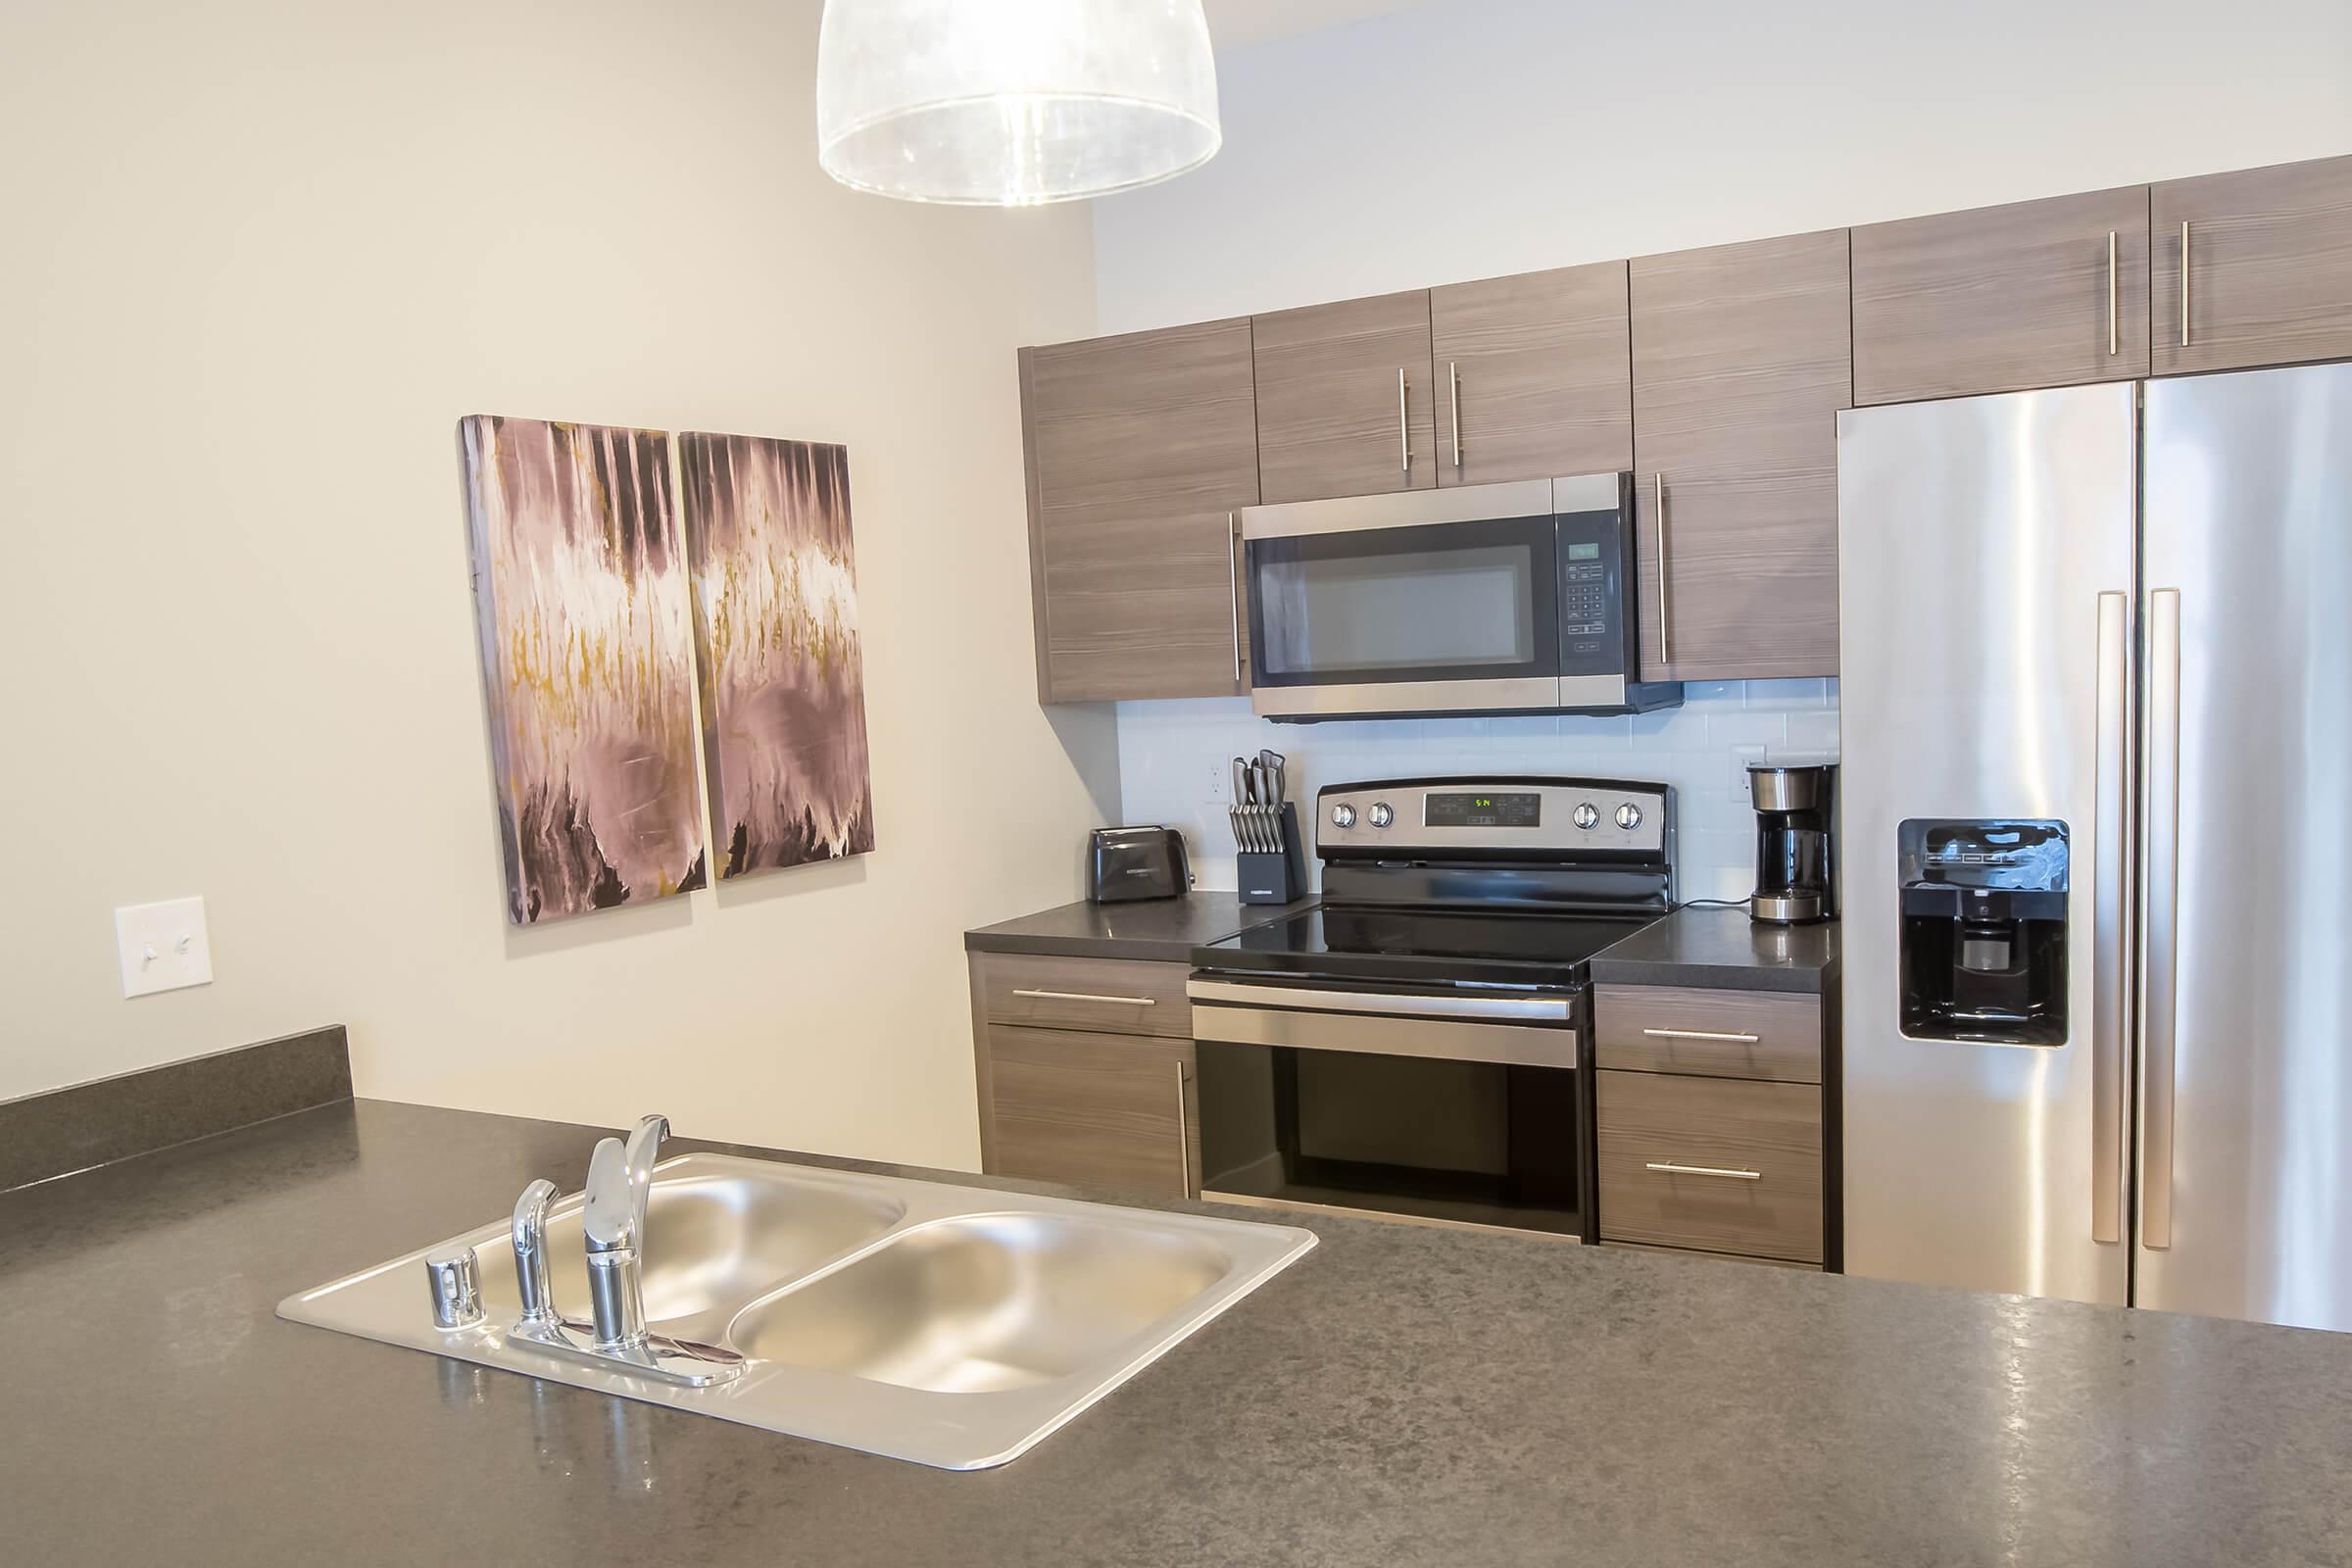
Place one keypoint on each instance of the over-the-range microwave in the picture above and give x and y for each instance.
(1515, 598)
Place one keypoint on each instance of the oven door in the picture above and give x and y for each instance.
(1462, 1107)
(1434, 602)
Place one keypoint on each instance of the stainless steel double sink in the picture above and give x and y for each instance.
(954, 1326)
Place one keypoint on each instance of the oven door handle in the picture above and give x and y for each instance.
(1503, 1007)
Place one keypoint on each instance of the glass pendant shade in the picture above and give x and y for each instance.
(1011, 103)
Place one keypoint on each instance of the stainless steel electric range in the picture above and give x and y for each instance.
(1419, 1043)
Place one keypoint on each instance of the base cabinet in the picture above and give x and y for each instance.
(1717, 1127)
(1064, 1100)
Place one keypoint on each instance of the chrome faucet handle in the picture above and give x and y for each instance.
(620, 1181)
(530, 1255)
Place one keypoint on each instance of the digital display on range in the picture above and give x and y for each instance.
(1507, 808)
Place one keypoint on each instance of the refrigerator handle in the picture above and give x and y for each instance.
(2113, 831)
(2160, 982)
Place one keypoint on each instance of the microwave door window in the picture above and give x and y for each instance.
(1466, 609)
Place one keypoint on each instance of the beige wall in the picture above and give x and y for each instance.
(260, 258)
(1471, 138)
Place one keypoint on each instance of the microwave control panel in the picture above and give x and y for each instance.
(1596, 587)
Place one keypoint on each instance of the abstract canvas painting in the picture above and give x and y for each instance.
(783, 677)
(580, 601)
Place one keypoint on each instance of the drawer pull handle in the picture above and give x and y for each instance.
(1088, 996)
(1671, 1168)
(1699, 1034)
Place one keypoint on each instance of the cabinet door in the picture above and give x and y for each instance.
(2002, 299)
(1344, 399)
(1141, 450)
(2268, 260)
(1534, 376)
(1112, 1111)
(1741, 360)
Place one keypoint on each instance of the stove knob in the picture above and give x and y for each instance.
(1382, 817)
(1629, 816)
(1586, 815)
(1343, 815)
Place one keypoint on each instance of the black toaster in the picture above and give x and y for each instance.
(1135, 862)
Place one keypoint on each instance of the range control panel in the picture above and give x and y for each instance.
(1550, 818)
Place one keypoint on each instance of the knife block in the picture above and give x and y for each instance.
(1266, 877)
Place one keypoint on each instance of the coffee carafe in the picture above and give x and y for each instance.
(1795, 876)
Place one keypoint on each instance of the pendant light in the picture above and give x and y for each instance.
(1012, 102)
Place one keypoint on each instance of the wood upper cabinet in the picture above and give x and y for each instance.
(1344, 405)
(2002, 299)
(1741, 360)
(1140, 449)
(2268, 260)
(1534, 376)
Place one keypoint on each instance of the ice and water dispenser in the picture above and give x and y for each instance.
(1984, 938)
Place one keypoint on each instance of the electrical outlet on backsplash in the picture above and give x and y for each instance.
(1166, 749)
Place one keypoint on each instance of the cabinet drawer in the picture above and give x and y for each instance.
(1718, 1034)
(1119, 994)
(1749, 1156)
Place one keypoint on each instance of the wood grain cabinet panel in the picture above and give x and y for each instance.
(2269, 267)
(1140, 449)
(1715, 1034)
(1116, 1113)
(1331, 419)
(1741, 358)
(2002, 299)
(1123, 996)
(1748, 1160)
(1534, 376)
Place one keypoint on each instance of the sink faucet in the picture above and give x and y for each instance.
(620, 1180)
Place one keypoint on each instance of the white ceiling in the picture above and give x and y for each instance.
(1237, 24)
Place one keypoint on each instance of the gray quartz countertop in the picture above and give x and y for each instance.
(1400, 1396)
(1705, 947)
(1161, 930)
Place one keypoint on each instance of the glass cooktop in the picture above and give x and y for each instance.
(1423, 946)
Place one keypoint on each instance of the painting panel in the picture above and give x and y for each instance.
(581, 604)
(776, 636)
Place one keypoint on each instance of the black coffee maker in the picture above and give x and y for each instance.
(1795, 877)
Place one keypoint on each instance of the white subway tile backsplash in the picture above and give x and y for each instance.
(1166, 750)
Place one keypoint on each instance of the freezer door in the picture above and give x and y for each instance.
(2245, 1181)
(1984, 594)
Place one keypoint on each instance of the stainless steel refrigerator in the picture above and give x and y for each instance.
(2097, 693)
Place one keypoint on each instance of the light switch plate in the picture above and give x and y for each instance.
(162, 947)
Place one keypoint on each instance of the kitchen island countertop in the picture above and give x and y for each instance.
(1400, 1396)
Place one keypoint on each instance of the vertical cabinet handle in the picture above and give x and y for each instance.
(1404, 439)
(1184, 1135)
(1233, 587)
(2160, 978)
(2112, 831)
(2113, 339)
(2185, 282)
(1454, 388)
(1657, 490)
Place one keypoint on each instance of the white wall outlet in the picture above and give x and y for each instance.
(162, 945)
(1744, 757)
(1220, 775)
